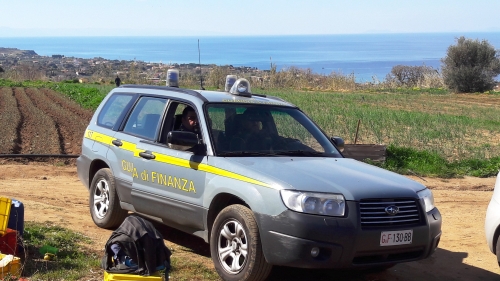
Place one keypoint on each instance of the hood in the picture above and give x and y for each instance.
(354, 179)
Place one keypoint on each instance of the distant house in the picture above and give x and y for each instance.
(57, 56)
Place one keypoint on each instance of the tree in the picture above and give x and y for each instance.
(470, 66)
(1, 70)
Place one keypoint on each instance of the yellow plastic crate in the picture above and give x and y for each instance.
(5, 205)
(131, 277)
(12, 268)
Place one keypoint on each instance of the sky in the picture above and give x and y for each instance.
(28, 18)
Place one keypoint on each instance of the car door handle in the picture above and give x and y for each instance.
(117, 142)
(147, 155)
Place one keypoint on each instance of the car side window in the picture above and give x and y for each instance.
(113, 109)
(185, 118)
(181, 117)
(145, 117)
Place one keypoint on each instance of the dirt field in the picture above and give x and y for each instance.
(40, 121)
(55, 194)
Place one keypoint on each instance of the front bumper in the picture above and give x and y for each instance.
(491, 223)
(289, 238)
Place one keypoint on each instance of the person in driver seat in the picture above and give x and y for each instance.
(189, 120)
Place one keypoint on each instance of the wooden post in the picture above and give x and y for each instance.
(357, 130)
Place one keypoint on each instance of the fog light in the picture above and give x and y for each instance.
(314, 252)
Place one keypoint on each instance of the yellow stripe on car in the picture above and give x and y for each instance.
(205, 168)
(102, 138)
(167, 159)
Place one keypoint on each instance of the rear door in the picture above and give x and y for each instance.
(141, 124)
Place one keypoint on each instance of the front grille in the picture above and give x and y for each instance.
(373, 214)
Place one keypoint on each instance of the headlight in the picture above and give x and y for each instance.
(314, 203)
(427, 199)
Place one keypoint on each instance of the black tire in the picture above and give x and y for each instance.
(498, 250)
(103, 201)
(235, 230)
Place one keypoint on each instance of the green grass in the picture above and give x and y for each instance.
(185, 269)
(409, 161)
(73, 260)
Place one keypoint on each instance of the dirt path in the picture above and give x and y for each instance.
(55, 194)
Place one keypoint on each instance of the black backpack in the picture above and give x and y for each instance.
(136, 247)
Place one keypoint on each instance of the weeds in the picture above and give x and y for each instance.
(72, 262)
(408, 161)
(75, 260)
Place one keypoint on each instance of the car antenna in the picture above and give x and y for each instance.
(199, 64)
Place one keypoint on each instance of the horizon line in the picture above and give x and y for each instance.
(251, 35)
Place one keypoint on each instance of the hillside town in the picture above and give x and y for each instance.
(21, 65)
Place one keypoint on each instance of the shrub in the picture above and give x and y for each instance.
(470, 66)
(414, 76)
(217, 77)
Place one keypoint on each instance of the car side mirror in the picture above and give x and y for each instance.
(182, 138)
(339, 143)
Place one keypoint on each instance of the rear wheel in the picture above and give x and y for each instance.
(235, 246)
(103, 200)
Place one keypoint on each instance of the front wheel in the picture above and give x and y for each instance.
(103, 200)
(235, 246)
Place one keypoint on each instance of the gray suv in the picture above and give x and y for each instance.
(253, 176)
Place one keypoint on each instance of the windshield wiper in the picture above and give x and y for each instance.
(299, 153)
(246, 153)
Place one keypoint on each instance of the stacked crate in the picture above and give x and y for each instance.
(9, 263)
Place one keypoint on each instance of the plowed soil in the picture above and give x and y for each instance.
(42, 121)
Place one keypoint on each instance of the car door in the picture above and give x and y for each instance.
(122, 154)
(168, 184)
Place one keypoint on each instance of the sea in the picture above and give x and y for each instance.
(369, 57)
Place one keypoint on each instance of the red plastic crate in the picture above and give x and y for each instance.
(8, 242)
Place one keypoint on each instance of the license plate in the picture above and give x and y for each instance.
(391, 238)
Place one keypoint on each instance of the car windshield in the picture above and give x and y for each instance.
(265, 130)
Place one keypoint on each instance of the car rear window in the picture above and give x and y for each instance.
(145, 117)
(112, 110)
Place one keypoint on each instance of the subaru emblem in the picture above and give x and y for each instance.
(392, 210)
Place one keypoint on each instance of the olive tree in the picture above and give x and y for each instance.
(470, 66)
